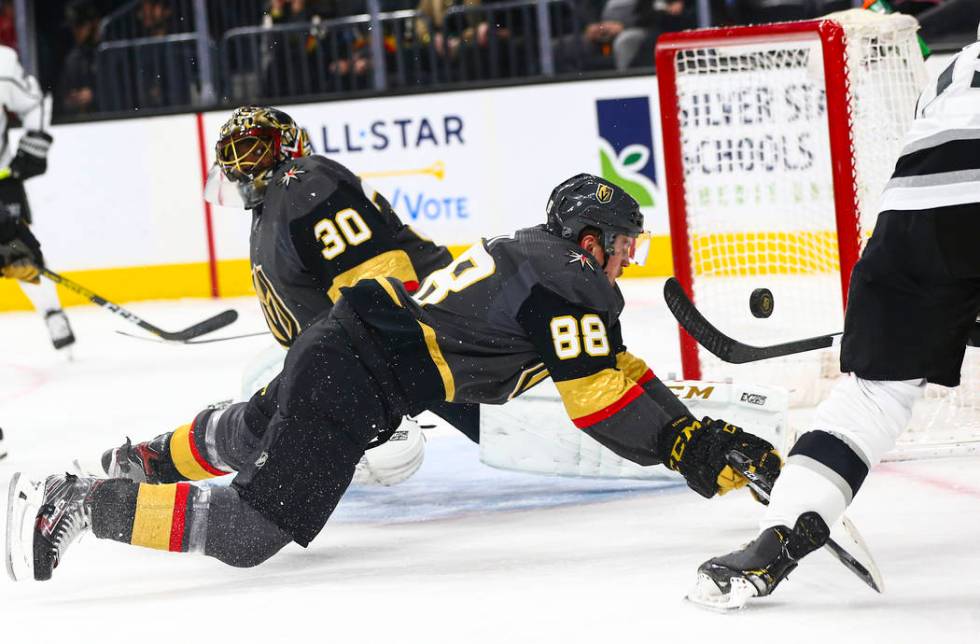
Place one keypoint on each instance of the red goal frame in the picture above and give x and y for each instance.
(833, 41)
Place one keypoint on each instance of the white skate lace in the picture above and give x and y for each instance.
(61, 520)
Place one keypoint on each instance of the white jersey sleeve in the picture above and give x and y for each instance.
(937, 166)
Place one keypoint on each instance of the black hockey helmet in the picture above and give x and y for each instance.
(252, 144)
(588, 201)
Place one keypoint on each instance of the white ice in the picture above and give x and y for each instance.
(462, 552)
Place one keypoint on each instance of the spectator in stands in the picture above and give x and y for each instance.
(8, 25)
(154, 18)
(634, 46)
(592, 48)
(76, 87)
(300, 59)
(446, 44)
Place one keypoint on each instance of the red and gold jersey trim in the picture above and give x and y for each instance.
(187, 458)
(394, 263)
(161, 516)
(634, 368)
(591, 399)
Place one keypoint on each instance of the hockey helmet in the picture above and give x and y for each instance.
(251, 145)
(588, 201)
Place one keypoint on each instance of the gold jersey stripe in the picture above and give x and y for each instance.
(634, 368)
(394, 263)
(590, 394)
(389, 289)
(154, 516)
(528, 378)
(182, 454)
(440, 361)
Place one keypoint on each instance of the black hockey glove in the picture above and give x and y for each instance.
(20, 252)
(699, 451)
(32, 155)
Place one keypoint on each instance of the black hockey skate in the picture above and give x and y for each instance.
(63, 514)
(147, 462)
(59, 329)
(727, 582)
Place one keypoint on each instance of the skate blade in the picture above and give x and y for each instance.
(23, 501)
(707, 595)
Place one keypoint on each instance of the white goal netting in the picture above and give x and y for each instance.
(763, 198)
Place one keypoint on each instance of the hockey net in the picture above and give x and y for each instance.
(778, 141)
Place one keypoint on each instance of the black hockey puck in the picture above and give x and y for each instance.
(761, 302)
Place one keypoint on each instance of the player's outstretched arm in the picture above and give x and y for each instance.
(616, 399)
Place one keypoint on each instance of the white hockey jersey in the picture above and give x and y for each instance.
(940, 163)
(20, 94)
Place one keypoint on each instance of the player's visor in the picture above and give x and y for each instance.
(639, 249)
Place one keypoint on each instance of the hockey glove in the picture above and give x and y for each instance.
(699, 451)
(32, 155)
(20, 252)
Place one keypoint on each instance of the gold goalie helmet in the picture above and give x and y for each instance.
(251, 145)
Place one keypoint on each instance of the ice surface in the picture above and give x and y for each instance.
(461, 552)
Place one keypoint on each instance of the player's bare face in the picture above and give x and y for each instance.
(620, 259)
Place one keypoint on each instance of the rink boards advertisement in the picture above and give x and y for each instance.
(121, 205)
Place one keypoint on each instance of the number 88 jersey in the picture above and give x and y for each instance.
(510, 312)
(319, 230)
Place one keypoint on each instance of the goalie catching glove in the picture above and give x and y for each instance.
(20, 252)
(698, 450)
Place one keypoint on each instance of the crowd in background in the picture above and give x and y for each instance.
(118, 55)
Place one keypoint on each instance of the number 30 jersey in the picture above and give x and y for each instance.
(508, 313)
(319, 230)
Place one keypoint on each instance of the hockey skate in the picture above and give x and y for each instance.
(755, 570)
(60, 511)
(59, 329)
(143, 463)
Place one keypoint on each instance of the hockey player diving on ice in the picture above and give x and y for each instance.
(482, 330)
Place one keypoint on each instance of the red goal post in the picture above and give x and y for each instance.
(831, 35)
(778, 140)
(706, 77)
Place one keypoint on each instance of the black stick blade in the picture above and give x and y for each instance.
(209, 325)
(721, 345)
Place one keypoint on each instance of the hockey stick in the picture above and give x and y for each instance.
(762, 487)
(206, 341)
(726, 348)
(213, 323)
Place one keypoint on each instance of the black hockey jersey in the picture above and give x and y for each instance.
(509, 312)
(318, 231)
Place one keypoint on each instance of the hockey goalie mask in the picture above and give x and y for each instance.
(251, 145)
(587, 201)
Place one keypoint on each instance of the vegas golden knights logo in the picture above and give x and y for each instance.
(604, 193)
(281, 321)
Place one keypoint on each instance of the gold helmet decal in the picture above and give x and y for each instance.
(603, 193)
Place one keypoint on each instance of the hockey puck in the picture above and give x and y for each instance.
(761, 302)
